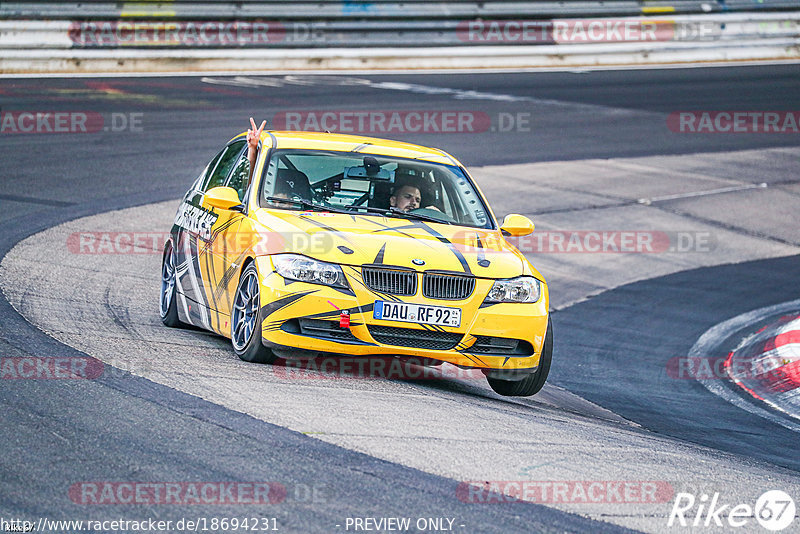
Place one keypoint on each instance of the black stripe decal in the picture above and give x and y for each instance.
(228, 274)
(482, 261)
(450, 245)
(325, 227)
(344, 291)
(437, 235)
(195, 266)
(379, 258)
(477, 358)
(209, 261)
(383, 227)
(276, 305)
(224, 226)
(470, 357)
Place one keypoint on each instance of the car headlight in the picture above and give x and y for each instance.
(522, 289)
(303, 269)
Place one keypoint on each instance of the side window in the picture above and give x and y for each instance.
(240, 176)
(198, 183)
(224, 165)
(268, 181)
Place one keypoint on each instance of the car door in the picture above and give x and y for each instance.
(196, 235)
(225, 249)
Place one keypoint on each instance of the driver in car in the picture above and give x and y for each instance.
(405, 197)
(407, 193)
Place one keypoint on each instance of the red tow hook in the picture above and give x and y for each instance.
(344, 319)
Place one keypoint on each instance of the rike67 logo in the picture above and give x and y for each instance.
(774, 510)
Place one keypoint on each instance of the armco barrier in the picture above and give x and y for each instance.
(247, 36)
(149, 34)
(275, 34)
(389, 9)
(266, 61)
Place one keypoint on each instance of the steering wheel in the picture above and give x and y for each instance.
(436, 214)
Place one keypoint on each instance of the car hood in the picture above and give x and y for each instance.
(360, 239)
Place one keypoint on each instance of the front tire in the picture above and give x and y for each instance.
(246, 320)
(532, 383)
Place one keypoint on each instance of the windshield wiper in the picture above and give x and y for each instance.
(419, 216)
(399, 213)
(351, 207)
(306, 204)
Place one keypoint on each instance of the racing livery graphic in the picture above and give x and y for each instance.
(297, 244)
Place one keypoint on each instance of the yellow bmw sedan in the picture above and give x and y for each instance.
(313, 244)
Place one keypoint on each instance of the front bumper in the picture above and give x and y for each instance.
(303, 318)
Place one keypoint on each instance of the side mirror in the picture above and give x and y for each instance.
(517, 225)
(225, 198)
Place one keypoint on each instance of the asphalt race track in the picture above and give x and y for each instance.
(583, 151)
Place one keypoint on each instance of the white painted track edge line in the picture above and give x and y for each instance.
(707, 192)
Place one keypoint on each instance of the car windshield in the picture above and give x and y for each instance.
(371, 185)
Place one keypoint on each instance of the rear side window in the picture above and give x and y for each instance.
(218, 176)
(239, 179)
(198, 183)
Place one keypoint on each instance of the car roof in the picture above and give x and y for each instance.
(356, 143)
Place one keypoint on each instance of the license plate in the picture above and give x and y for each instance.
(417, 313)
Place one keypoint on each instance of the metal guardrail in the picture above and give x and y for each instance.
(182, 34)
(337, 10)
(251, 35)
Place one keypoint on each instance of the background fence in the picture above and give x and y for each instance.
(44, 36)
(380, 9)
